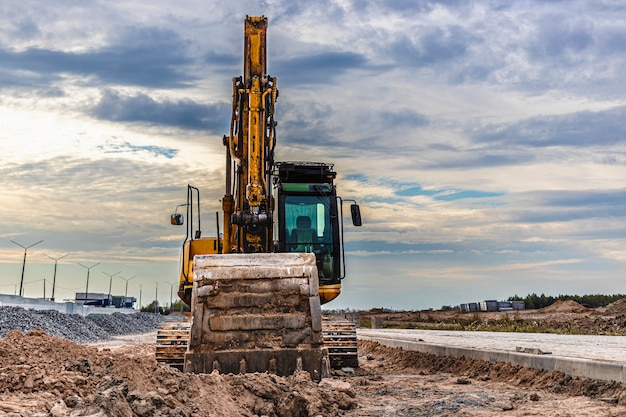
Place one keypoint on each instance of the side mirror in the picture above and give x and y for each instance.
(177, 219)
(356, 214)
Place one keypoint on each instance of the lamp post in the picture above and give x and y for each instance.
(24, 264)
(87, 286)
(171, 292)
(126, 290)
(110, 299)
(54, 277)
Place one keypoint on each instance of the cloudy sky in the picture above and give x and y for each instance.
(484, 140)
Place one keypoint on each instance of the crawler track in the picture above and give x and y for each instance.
(340, 339)
(172, 341)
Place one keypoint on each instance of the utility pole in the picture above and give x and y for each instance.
(110, 299)
(140, 290)
(54, 277)
(87, 286)
(24, 264)
(126, 290)
(171, 291)
(156, 297)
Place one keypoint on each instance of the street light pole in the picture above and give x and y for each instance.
(87, 286)
(110, 300)
(126, 290)
(24, 264)
(171, 291)
(54, 277)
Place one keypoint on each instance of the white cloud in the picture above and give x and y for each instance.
(483, 140)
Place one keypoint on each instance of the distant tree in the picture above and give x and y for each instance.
(150, 309)
(534, 301)
(177, 306)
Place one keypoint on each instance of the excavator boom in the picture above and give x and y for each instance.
(247, 202)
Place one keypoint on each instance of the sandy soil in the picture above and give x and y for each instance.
(396, 383)
(44, 376)
(41, 375)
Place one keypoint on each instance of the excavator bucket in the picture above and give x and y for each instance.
(256, 312)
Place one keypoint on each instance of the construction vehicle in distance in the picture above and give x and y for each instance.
(256, 293)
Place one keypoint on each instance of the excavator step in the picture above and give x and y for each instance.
(339, 336)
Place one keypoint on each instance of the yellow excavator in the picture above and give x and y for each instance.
(256, 292)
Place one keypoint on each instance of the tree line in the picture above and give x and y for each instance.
(534, 301)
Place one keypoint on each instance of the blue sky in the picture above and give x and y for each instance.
(484, 140)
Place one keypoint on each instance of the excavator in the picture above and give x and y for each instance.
(256, 290)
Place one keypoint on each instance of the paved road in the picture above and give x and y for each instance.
(599, 348)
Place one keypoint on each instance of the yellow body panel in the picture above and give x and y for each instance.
(191, 248)
(329, 292)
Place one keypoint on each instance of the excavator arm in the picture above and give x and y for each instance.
(247, 202)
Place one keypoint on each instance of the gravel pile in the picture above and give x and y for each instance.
(118, 324)
(92, 328)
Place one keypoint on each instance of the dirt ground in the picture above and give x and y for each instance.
(391, 382)
(566, 317)
(41, 375)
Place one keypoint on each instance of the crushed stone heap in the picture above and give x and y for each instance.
(89, 329)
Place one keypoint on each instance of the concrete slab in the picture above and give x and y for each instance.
(580, 367)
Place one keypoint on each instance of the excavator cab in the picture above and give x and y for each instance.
(307, 227)
(310, 219)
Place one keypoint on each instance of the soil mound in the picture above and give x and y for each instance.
(397, 360)
(567, 306)
(42, 375)
(616, 308)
